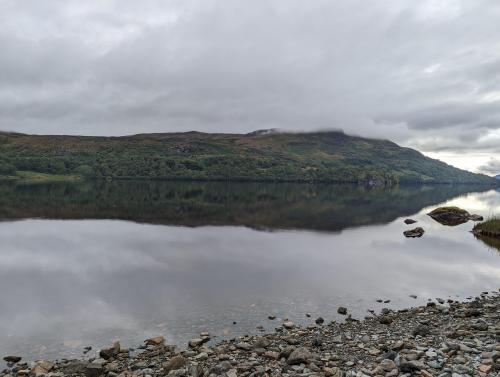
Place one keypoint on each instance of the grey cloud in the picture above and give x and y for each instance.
(491, 167)
(422, 73)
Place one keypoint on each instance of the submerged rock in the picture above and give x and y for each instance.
(414, 233)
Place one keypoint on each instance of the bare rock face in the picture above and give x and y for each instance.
(414, 233)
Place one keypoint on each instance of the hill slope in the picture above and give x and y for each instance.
(320, 156)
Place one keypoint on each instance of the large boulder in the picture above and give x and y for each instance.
(453, 216)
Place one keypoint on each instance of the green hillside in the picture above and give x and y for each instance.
(258, 156)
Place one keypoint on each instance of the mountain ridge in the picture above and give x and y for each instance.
(263, 155)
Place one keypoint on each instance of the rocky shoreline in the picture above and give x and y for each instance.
(446, 339)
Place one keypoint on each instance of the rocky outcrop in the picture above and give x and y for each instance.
(453, 216)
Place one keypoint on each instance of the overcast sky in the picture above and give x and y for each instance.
(425, 73)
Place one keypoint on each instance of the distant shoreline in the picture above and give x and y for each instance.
(35, 177)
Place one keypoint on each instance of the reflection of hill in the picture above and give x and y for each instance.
(257, 205)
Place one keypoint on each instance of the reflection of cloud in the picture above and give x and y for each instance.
(102, 280)
(491, 167)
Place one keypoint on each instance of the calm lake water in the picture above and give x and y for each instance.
(86, 264)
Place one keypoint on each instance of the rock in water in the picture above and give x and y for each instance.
(476, 218)
(341, 310)
(414, 233)
(410, 221)
(111, 352)
(12, 359)
(320, 320)
(453, 216)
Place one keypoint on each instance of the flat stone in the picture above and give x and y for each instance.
(86, 368)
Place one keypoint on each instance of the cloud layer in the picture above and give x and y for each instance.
(425, 74)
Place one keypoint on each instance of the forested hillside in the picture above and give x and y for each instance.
(258, 156)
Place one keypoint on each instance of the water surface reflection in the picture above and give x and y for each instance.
(65, 284)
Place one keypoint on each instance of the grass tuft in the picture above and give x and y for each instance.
(490, 227)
